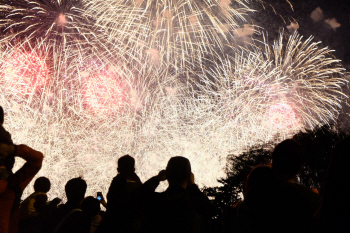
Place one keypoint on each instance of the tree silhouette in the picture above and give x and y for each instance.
(317, 145)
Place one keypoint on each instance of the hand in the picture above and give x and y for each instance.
(6, 150)
(162, 175)
(56, 201)
(191, 179)
(103, 201)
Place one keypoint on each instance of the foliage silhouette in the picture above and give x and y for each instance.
(317, 145)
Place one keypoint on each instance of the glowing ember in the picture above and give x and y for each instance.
(25, 72)
(103, 94)
(281, 115)
(61, 19)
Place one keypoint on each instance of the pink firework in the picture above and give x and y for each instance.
(25, 72)
(281, 115)
(103, 94)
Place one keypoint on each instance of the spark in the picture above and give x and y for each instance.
(62, 19)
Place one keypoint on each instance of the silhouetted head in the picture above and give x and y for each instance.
(178, 170)
(90, 206)
(42, 184)
(126, 164)
(260, 175)
(287, 159)
(75, 189)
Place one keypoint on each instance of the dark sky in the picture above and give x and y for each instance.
(338, 39)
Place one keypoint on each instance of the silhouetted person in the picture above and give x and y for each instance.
(333, 215)
(79, 219)
(122, 212)
(13, 184)
(182, 208)
(124, 184)
(41, 187)
(35, 207)
(56, 222)
(292, 205)
(91, 208)
(248, 215)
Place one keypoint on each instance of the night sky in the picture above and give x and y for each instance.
(330, 23)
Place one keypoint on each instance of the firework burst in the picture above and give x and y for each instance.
(51, 20)
(178, 32)
(285, 86)
(65, 25)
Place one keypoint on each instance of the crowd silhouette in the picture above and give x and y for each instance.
(273, 200)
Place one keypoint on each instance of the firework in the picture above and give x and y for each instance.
(278, 88)
(182, 33)
(66, 25)
(105, 78)
(54, 21)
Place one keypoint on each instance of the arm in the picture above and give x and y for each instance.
(151, 184)
(34, 161)
(201, 201)
(145, 192)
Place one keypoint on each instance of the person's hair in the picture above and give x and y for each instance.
(126, 164)
(178, 170)
(1, 115)
(5, 137)
(259, 175)
(42, 184)
(75, 189)
(91, 206)
(9, 163)
(287, 158)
